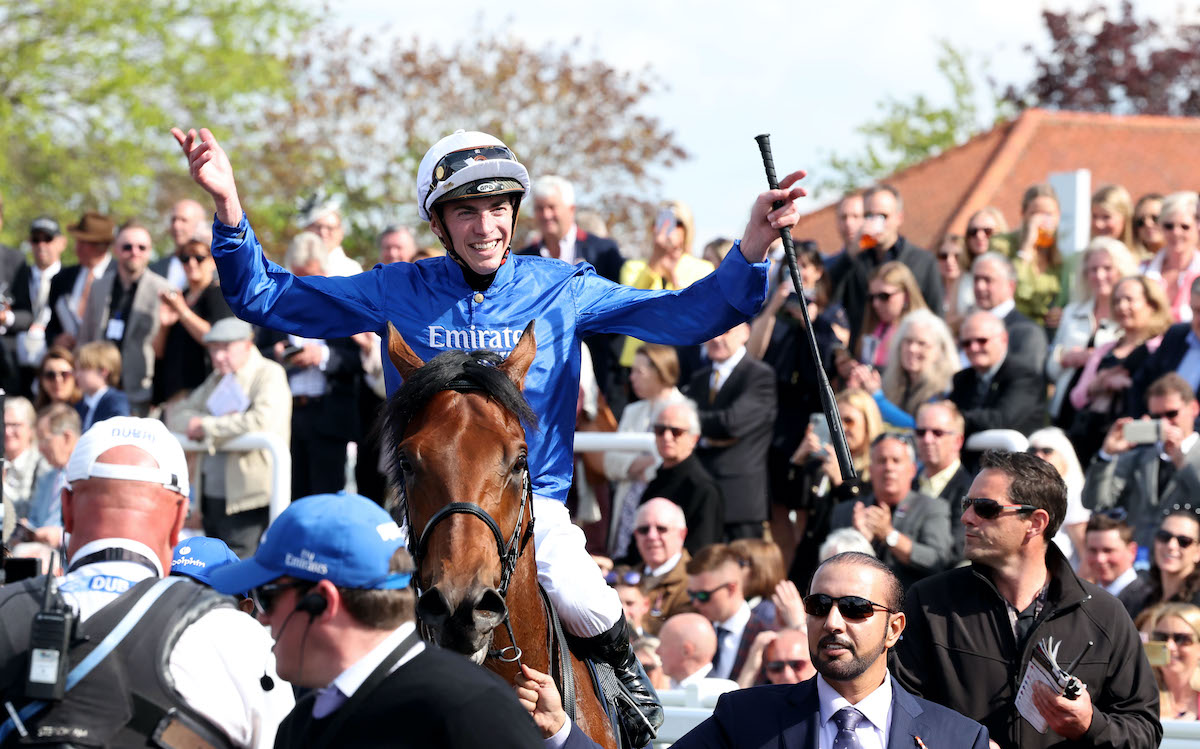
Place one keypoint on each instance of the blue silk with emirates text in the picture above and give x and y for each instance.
(432, 306)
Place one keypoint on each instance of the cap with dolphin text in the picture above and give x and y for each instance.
(344, 538)
(198, 556)
(148, 435)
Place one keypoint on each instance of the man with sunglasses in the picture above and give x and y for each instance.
(332, 581)
(192, 661)
(659, 532)
(995, 286)
(716, 589)
(972, 630)
(1144, 479)
(939, 434)
(854, 619)
(995, 390)
(683, 479)
(123, 309)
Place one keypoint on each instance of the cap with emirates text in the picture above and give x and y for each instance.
(148, 435)
(344, 538)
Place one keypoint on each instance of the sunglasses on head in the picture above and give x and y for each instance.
(457, 160)
(1181, 639)
(990, 509)
(1143, 221)
(630, 577)
(704, 596)
(882, 296)
(776, 667)
(852, 608)
(986, 231)
(661, 429)
(1164, 537)
(263, 597)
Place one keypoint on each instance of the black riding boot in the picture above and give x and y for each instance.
(641, 713)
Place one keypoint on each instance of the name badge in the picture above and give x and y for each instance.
(115, 330)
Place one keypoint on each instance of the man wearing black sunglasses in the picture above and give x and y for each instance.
(1145, 478)
(854, 619)
(972, 630)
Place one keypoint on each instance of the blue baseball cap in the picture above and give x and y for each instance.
(198, 556)
(344, 538)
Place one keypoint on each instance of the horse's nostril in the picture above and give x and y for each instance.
(433, 607)
(490, 602)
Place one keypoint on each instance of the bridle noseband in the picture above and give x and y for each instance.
(509, 552)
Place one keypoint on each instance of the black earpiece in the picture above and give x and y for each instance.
(313, 604)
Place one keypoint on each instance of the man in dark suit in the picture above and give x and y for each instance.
(995, 285)
(909, 530)
(33, 297)
(332, 581)
(736, 399)
(716, 589)
(72, 287)
(939, 435)
(561, 238)
(855, 616)
(883, 214)
(683, 479)
(995, 392)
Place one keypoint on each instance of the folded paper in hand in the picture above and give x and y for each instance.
(1043, 667)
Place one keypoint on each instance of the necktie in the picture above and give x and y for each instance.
(718, 661)
(715, 386)
(87, 289)
(328, 699)
(847, 720)
(1166, 471)
(981, 390)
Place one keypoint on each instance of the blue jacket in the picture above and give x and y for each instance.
(432, 306)
(787, 716)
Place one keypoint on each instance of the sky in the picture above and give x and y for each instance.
(807, 73)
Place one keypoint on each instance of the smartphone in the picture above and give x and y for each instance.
(290, 351)
(665, 222)
(820, 428)
(1143, 431)
(1156, 653)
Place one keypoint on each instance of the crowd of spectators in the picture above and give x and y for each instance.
(1088, 361)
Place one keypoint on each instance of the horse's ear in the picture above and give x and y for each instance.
(517, 364)
(405, 361)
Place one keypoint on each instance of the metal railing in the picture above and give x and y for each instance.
(281, 461)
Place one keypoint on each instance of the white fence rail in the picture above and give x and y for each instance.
(281, 461)
(591, 442)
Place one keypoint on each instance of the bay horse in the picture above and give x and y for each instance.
(455, 436)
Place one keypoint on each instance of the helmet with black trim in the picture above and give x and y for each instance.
(468, 164)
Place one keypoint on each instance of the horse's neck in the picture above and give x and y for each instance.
(529, 621)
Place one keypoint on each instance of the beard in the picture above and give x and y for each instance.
(845, 669)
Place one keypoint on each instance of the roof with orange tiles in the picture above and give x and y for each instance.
(1142, 152)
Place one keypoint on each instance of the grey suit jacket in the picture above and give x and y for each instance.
(1131, 481)
(924, 519)
(137, 347)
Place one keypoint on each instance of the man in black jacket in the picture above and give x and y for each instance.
(995, 392)
(972, 630)
(883, 213)
(736, 398)
(332, 581)
(683, 479)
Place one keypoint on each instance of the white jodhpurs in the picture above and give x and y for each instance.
(586, 604)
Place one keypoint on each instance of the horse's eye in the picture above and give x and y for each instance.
(405, 466)
(520, 464)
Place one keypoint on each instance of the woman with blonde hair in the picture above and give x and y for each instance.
(671, 264)
(1177, 264)
(1051, 445)
(1177, 627)
(892, 292)
(1147, 227)
(1087, 322)
(1141, 310)
(1112, 214)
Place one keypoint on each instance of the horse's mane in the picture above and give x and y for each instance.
(450, 370)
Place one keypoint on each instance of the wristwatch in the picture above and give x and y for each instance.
(892, 538)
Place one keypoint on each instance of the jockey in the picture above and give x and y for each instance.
(481, 296)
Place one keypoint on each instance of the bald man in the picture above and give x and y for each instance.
(736, 399)
(659, 531)
(687, 646)
(786, 660)
(995, 391)
(187, 223)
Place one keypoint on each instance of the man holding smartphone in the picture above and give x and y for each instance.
(1145, 468)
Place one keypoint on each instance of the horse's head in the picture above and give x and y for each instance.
(458, 458)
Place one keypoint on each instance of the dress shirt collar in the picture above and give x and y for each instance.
(91, 400)
(1185, 447)
(36, 273)
(352, 678)
(1123, 580)
(665, 567)
(700, 675)
(566, 247)
(736, 623)
(1002, 309)
(938, 481)
(876, 706)
(726, 367)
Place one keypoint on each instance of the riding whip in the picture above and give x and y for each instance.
(836, 432)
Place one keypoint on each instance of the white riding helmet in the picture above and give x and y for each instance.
(468, 165)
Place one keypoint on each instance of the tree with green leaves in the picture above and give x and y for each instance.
(910, 131)
(89, 88)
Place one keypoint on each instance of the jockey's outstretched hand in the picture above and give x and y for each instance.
(766, 221)
(210, 168)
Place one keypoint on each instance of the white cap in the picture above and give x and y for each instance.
(482, 169)
(149, 435)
